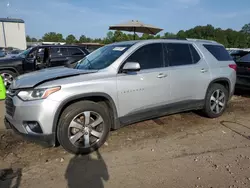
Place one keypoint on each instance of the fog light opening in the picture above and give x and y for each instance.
(33, 127)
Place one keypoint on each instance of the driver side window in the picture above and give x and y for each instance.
(149, 56)
(32, 54)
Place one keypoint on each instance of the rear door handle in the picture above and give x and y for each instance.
(161, 75)
(203, 70)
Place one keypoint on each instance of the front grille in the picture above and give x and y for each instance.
(10, 108)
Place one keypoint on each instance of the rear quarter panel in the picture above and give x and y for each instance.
(219, 69)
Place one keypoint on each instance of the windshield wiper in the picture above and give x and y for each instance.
(85, 66)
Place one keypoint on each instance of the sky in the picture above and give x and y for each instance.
(93, 17)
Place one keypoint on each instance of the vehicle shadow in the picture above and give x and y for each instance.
(87, 171)
(242, 92)
(10, 178)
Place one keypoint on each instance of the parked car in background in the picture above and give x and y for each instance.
(15, 52)
(117, 85)
(242, 59)
(40, 57)
(2, 53)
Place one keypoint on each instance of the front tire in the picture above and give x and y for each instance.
(8, 77)
(216, 101)
(83, 127)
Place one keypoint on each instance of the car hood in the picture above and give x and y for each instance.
(35, 78)
(9, 59)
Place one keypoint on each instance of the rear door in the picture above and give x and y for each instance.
(140, 92)
(58, 56)
(189, 72)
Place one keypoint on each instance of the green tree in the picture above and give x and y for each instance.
(169, 35)
(84, 39)
(70, 39)
(53, 37)
(33, 39)
(28, 39)
(109, 38)
(181, 34)
(246, 28)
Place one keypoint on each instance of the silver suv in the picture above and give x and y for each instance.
(120, 84)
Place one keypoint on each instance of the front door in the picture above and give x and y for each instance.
(58, 56)
(141, 93)
(29, 61)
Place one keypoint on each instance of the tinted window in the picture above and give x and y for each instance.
(219, 52)
(194, 53)
(64, 51)
(178, 54)
(54, 52)
(85, 51)
(75, 51)
(2, 54)
(245, 59)
(32, 53)
(149, 56)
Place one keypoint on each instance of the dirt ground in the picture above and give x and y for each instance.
(183, 150)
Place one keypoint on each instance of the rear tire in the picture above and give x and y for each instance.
(216, 101)
(87, 120)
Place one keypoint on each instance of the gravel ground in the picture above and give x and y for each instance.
(181, 150)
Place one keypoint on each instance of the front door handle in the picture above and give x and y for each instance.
(203, 70)
(161, 75)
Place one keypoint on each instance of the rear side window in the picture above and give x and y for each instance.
(85, 51)
(75, 51)
(58, 52)
(149, 56)
(54, 52)
(178, 54)
(245, 59)
(219, 52)
(64, 51)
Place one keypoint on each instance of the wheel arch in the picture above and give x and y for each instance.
(9, 69)
(223, 81)
(96, 97)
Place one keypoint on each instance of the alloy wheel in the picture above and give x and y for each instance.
(217, 101)
(7, 79)
(86, 129)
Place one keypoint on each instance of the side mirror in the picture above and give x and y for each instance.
(131, 67)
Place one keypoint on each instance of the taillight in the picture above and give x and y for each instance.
(233, 66)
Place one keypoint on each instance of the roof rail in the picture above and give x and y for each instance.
(174, 38)
(201, 40)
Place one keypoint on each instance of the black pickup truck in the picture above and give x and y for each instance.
(242, 59)
(40, 57)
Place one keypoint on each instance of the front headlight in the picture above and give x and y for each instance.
(36, 94)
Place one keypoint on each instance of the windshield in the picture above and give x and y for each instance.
(2, 53)
(102, 57)
(24, 53)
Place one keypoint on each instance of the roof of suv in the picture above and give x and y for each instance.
(164, 40)
(57, 46)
